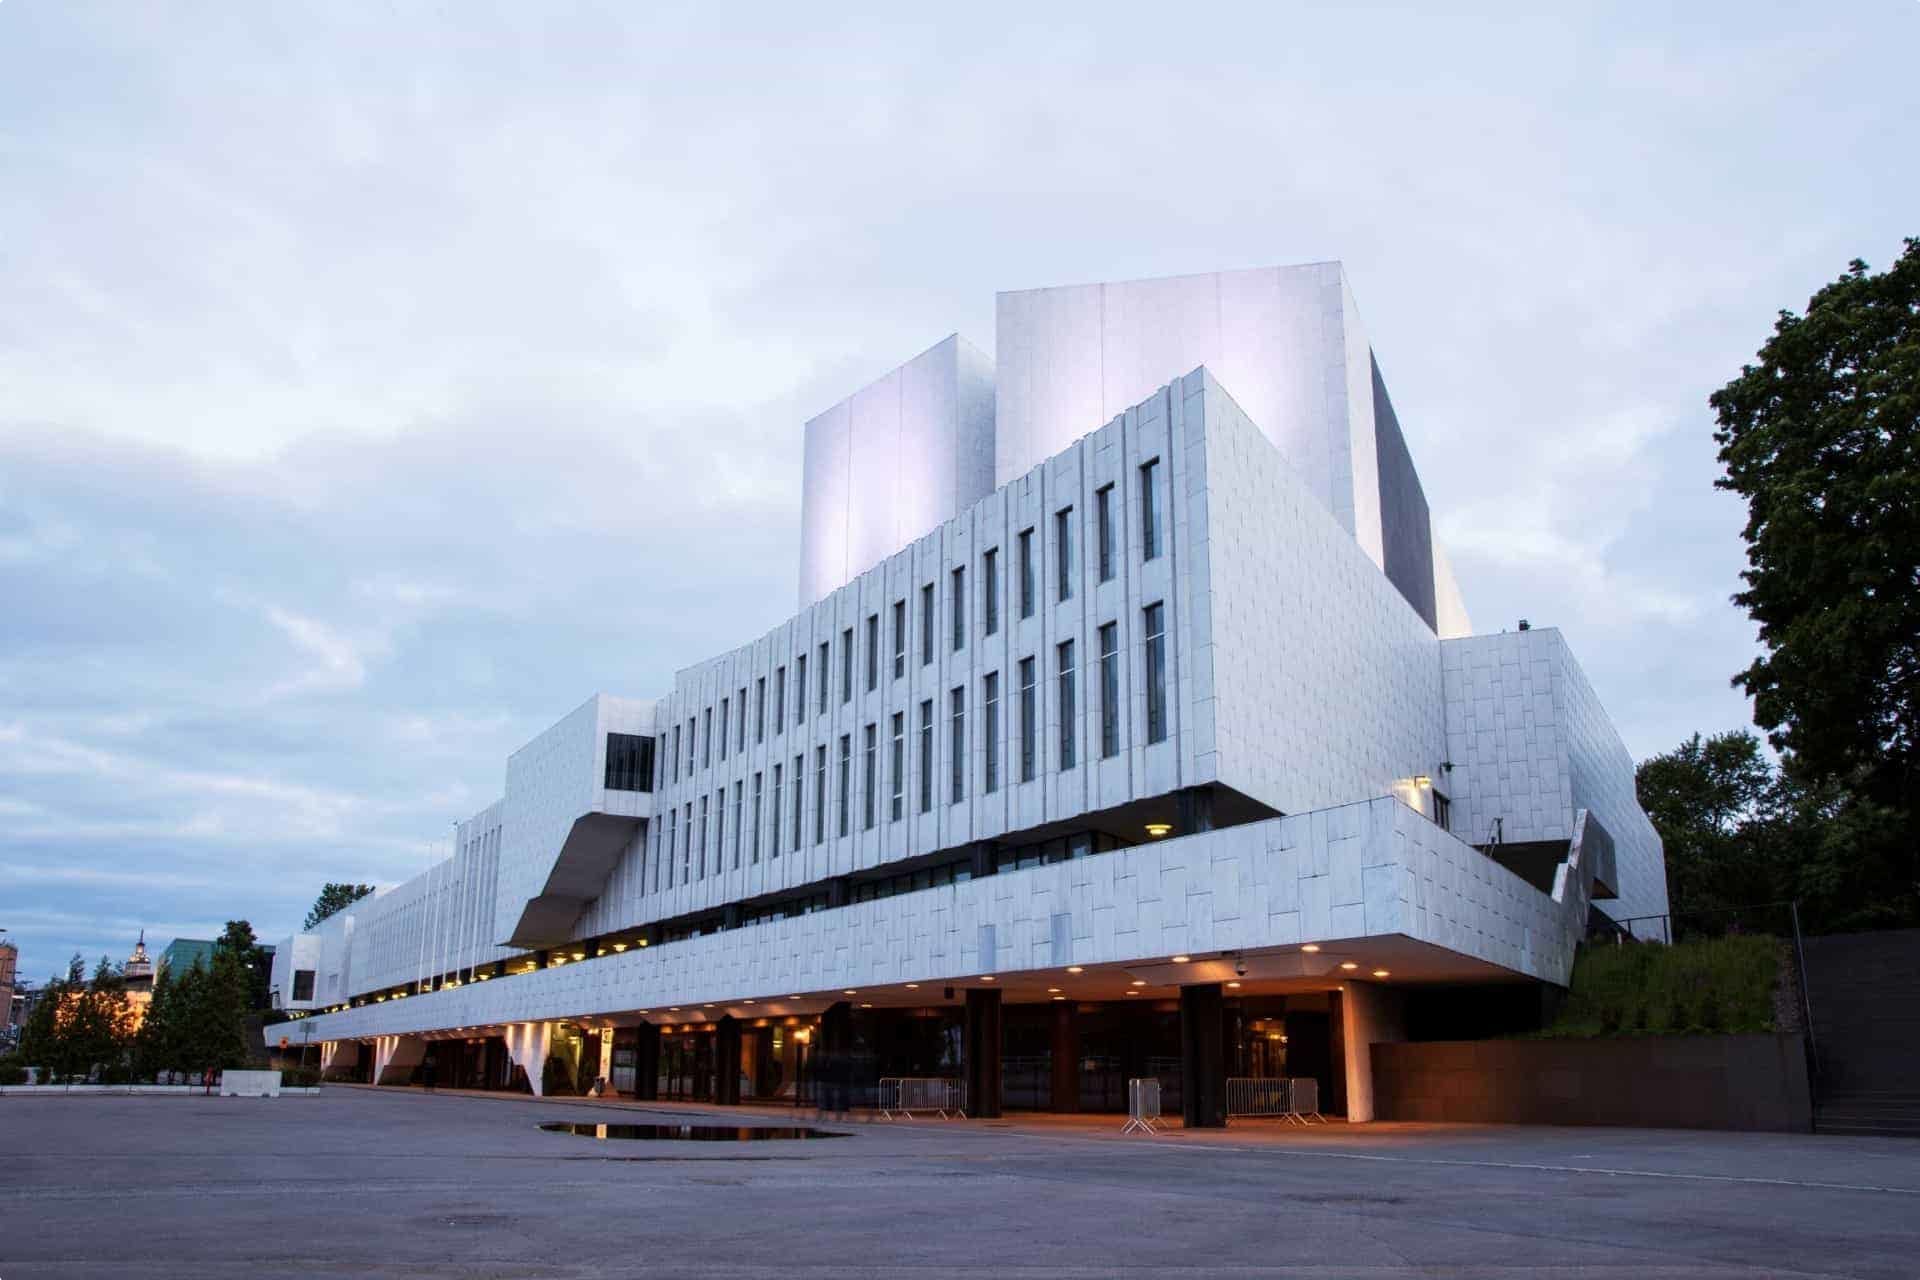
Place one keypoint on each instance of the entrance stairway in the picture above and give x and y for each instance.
(1864, 990)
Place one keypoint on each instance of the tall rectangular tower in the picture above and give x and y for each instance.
(894, 460)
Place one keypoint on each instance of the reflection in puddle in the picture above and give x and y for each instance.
(688, 1132)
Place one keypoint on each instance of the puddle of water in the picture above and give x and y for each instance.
(688, 1132)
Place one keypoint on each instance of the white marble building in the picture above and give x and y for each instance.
(1184, 709)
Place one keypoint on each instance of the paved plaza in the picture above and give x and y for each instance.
(397, 1183)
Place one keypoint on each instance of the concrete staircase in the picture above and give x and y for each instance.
(1864, 989)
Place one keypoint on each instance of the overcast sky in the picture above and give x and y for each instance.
(379, 381)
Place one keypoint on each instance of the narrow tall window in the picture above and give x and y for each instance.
(1149, 511)
(799, 690)
(686, 841)
(739, 798)
(823, 677)
(1026, 573)
(723, 728)
(990, 732)
(773, 815)
(899, 638)
(1103, 530)
(990, 590)
(1156, 629)
(846, 768)
(897, 768)
(703, 836)
(819, 795)
(676, 753)
(926, 624)
(706, 738)
(926, 755)
(1029, 731)
(957, 743)
(799, 794)
(779, 701)
(1063, 551)
(846, 665)
(673, 832)
(719, 830)
(740, 726)
(957, 607)
(867, 780)
(1110, 690)
(760, 709)
(873, 652)
(1068, 726)
(756, 810)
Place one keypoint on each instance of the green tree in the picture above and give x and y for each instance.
(210, 1014)
(41, 1043)
(333, 897)
(1711, 801)
(256, 969)
(99, 1026)
(156, 1047)
(1822, 438)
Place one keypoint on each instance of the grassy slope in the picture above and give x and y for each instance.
(1716, 985)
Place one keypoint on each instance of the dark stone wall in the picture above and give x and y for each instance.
(1754, 1082)
(1406, 532)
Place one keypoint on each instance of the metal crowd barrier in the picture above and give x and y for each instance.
(1143, 1106)
(904, 1095)
(1295, 1100)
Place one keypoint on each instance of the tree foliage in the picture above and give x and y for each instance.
(256, 969)
(1822, 439)
(1741, 831)
(335, 897)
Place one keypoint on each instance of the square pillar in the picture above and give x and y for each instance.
(1203, 1057)
(726, 1061)
(646, 1063)
(982, 1053)
(1066, 1056)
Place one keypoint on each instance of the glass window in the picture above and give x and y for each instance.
(1064, 657)
(819, 795)
(739, 798)
(957, 742)
(629, 762)
(926, 624)
(1110, 690)
(779, 701)
(990, 731)
(799, 795)
(740, 729)
(1103, 530)
(1063, 551)
(799, 689)
(823, 677)
(1026, 573)
(846, 665)
(990, 590)
(676, 753)
(706, 738)
(1156, 628)
(846, 768)
(1149, 511)
(867, 766)
(760, 709)
(926, 755)
(723, 728)
(899, 638)
(756, 810)
(1029, 731)
(957, 607)
(897, 768)
(703, 835)
(773, 815)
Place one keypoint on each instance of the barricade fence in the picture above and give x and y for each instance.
(904, 1095)
(1143, 1105)
(1295, 1099)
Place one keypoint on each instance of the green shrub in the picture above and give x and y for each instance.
(300, 1077)
(12, 1069)
(1715, 985)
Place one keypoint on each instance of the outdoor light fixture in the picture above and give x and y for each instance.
(1422, 780)
(1158, 829)
(850, 992)
(579, 955)
(1311, 948)
(1051, 990)
(746, 1002)
(913, 986)
(1181, 959)
(1059, 997)
(1348, 964)
(1074, 968)
(1235, 985)
(1379, 973)
(1139, 982)
(643, 942)
(619, 946)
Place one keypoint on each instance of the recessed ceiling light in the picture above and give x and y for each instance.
(1051, 990)
(913, 986)
(1181, 959)
(1158, 829)
(1311, 948)
(1139, 982)
(866, 1006)
(1348, 964)
(1059, 997)
(1379, 973)
(746, 1002)
(987, 977)
(1233, 984)
(849, 992)
(1074, 968)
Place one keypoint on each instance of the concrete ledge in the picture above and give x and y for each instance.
(1751, 1082)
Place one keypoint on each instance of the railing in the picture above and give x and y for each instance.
(903, 1095)
(1143, 1106)
(1295, 1100)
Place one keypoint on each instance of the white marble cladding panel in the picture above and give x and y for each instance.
(1321, 681)
(1449, 606)
(893, 460)
(695, 767)
(1362, 870)
(1277, 336)
(1530, 744)
(437, 922)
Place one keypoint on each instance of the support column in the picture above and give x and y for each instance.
(1066, 1056)
(395, 1057)
(726, 1061)
(1373, 1014)
(982, 1053)
(646, 1063)
(527, 1043)
(1203, 1057)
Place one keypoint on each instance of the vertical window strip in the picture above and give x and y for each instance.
(926, 755)
(1156, 630)
(990, 732)
(1103, 531)
(1026, 573)
(957, 742)
(1149, 511)
(990, 590)
(755, 847)
(1066, 710)
(873, 652)
(957, 608)
(846, 770)
(1063, 552)
(1109, 690)
(899, 638)
(1029, 731)
(926, 624)
(867, 780)
(897, 768)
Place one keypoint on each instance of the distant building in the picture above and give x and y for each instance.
(183, 953)
(9, 964)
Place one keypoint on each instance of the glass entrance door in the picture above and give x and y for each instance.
(686, 1066)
